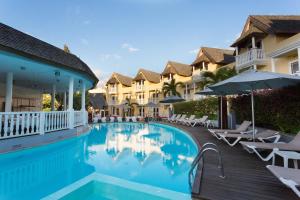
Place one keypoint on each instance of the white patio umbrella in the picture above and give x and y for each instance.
(252, 80)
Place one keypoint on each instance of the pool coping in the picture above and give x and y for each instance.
(144, 188)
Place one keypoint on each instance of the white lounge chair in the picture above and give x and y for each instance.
(233, 138)
(119, 119)
(103, 119)
(171, 118)
(200, 121)
(288, 176)
(256, 147)
(133, 119)
(127, 119)
(185, 121)
(112, 119)
(175, 118)
(95, 119)
(181, 118)
(241, 129)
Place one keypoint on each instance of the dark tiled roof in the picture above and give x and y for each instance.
(269, 24)
(26, 45)
(215, 55)
(97, 101)
(148, 75)
(177, 68)
(119, 78)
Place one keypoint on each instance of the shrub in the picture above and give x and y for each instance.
(207, 106)
(274, 109)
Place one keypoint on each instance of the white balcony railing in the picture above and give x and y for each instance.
(139, 87)
(113, 102)
(112, 90)
(17, 124)
(141, 101)
(249, 57)
(153, 100)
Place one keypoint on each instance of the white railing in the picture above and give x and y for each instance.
(153, 100)
(139, 87)
(140, 101)
(17, 124)
(112, 90)
(249, 56)
(56, 120)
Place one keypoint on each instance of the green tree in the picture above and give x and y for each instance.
(210, 78)
(171, 88)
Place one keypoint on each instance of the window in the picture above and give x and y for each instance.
(294, 67)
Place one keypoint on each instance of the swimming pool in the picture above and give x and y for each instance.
(148, 154)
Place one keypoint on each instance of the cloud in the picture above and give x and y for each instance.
(195, 51)
(129, 47)
(109, 57)
(84, 41)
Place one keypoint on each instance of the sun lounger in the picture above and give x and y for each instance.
(233, 138)
(255, 147)
(103, 119)
(241, 129)
(176, 118)
(181, 118)
(112, 119)
(200, 121)
(171, 118)
(119, 119)
(127, 119)
(133, 119)
(184, 121)
(288, 176)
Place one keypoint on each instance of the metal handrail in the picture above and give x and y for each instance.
(206, 147)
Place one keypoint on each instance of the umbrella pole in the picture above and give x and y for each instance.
(253, 119)
(221, 113)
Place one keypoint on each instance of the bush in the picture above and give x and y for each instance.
(207, 106)
(274, 109)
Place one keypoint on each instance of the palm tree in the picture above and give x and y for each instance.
(130, 105)
(210, 78)
(171, 88)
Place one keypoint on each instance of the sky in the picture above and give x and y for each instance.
(125, 35)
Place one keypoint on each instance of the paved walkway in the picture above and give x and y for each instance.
(246, 175)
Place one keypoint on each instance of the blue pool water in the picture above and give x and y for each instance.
(152, 154)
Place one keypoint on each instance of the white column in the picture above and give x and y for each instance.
(273, 64)
(253, 42)
(9, 88)
(83, 97)
(65, 101)
(203, 65)
(185, 91)
(70, 103)
(53, 97)
(298, 50)
(236, 51)
(194, 87)
(255, 67)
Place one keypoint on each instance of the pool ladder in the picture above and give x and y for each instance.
(199, 158)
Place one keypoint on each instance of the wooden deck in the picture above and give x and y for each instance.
(246, 175)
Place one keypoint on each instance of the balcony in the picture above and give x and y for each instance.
(113, 102)
(154, 100)
(141, 101)
(252, 57)
(187, 97)
(139, 88)
(112, 90)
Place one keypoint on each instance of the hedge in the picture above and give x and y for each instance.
(207, 106)
(274, 109)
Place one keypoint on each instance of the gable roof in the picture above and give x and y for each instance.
(25, 45)
(119, 78)
(269, 24)
(177, 68)
(148, 75)
(214, 55)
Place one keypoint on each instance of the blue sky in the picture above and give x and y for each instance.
(124, 35)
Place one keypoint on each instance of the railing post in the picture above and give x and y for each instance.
(71, 119)
(42, 123)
